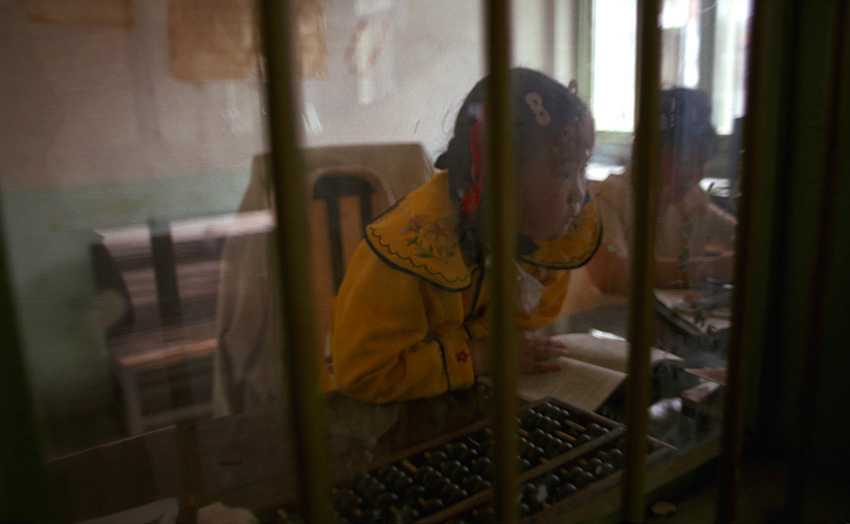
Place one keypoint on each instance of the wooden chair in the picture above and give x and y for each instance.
(345, 200)
(181, 285)
(162, 351)
(348, 186)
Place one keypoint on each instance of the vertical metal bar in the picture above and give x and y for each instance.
(502, 235)
(707, 31)
(23, 481)
(751, 167)
(812, 358)
(641, 313)
(585, 45)
(308, 422)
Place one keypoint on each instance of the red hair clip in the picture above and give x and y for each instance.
(471, 200)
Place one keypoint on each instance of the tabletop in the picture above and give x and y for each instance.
(246, 461)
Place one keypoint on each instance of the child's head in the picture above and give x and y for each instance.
(688, 140)
(553, 138)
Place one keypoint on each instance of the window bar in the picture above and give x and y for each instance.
(23, 480)
(641, 312)
(307, 417)
(502, 235)
(752, 140)
(799, 471)
(707, 30)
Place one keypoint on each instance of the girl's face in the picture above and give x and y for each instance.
(552, 187)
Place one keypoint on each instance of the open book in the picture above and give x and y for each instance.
(594, 370)
(699, 312)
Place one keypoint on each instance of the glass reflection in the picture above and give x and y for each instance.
(143, 175)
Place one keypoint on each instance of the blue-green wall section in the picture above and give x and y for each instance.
(47, 237)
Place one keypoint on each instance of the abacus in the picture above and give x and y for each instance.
(565, 453)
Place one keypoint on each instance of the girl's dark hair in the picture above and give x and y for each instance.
(566, 111)
(686, 122)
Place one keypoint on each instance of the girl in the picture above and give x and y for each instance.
(695, 238)
(410, 317)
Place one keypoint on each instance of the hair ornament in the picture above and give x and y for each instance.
(536, 104)
(669, 115)
(471, 199)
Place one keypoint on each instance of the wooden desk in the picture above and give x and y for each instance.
(698, 351)
(245, 460)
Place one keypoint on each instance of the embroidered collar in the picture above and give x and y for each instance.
(418, 235)
(574, 249)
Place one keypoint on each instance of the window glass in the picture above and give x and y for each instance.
(693, 33)
(138, 231)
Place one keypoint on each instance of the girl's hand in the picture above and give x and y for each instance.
(535, 353)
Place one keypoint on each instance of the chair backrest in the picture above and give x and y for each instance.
(351, 198)
(349, 185)
(345, 200)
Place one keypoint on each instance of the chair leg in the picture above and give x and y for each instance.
(132, 401)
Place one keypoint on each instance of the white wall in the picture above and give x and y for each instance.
(96, 132)
(87, 104)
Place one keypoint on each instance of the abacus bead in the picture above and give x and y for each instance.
(595, 429)
(468, 455)
(481, 465)
(458, 473)
(485, 516)
(472, 480)
(435, 482)
(437, 458)
(566, 489)
(408, 514)
(457, 450)
(383, 472)
(384, 500)
(456, 496)
(448, 466)
(584, 478)
(486, 448)
(553, 448)
(423, 473)
(537, 435)
(432, 506)
(361, 481)
(615, 456)
(375, 489)
(400, 482)
(414, 492)
(529, 491)
(607, 469)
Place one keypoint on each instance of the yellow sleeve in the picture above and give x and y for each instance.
(394, 337)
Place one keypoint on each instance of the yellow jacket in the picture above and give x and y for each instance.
(410, 301)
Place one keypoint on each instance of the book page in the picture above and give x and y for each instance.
(581, 384)
(609, 353)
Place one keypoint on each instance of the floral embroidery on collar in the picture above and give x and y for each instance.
(429, 238)
(573, 249)
(418, 235)
(462, 356)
